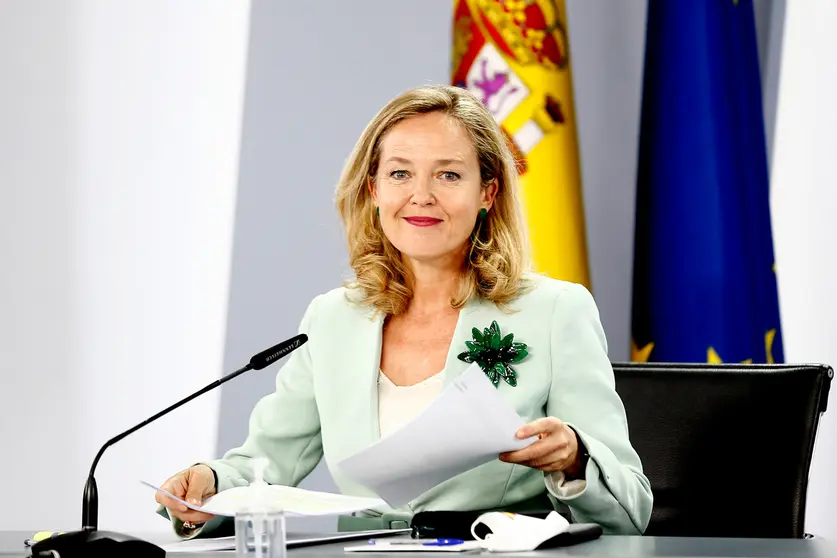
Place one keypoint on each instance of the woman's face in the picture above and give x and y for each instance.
(428, 188)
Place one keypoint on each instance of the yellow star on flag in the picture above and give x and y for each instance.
(643, 354)
(712, 356)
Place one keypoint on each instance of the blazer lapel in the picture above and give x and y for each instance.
(468, 317)
(359, 388)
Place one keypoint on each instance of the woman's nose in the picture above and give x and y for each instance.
(423, 191)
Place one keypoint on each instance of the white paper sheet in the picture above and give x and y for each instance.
(417, 546)
(201, 545)
(468, 425)
(294, 540)
(293, 501)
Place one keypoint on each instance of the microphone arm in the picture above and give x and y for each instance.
(90, 501)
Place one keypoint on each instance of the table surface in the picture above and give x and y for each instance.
(11, 544)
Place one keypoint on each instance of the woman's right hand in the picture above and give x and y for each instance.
(194, 485)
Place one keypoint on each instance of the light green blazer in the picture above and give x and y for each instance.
(325, 406)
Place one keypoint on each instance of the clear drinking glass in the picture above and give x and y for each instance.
(260, 534)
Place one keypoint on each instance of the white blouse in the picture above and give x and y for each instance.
(398, 405)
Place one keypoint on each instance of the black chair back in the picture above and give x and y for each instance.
(727, 447)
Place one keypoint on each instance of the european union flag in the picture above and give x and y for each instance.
(704, 274)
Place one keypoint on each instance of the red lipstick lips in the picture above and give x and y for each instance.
(422, 221)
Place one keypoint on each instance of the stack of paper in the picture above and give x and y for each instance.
(293, 501)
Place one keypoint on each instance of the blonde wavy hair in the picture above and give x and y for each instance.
(498, 256)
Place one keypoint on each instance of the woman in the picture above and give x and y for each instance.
(437, 243)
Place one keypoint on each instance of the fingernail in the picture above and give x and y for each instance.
(520, 433)
(194, 502)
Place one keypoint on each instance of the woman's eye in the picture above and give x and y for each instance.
(450, 176)
(399, 175)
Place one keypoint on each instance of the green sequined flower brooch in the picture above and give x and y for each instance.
(495, 354)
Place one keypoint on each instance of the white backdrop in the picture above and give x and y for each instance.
(121, 126)
(803, 206)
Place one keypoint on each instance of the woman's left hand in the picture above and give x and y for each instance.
(555, 450)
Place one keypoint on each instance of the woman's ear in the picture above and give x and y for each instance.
(489, 194)
(370, 184)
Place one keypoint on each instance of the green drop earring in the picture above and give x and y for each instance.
(483, 213)
(378, 211)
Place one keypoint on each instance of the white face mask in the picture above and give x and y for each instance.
(511, 532)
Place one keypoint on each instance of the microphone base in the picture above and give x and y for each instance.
(94, 544)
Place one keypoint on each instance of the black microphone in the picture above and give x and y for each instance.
(89, 541)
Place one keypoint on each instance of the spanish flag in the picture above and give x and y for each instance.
(514, 55)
